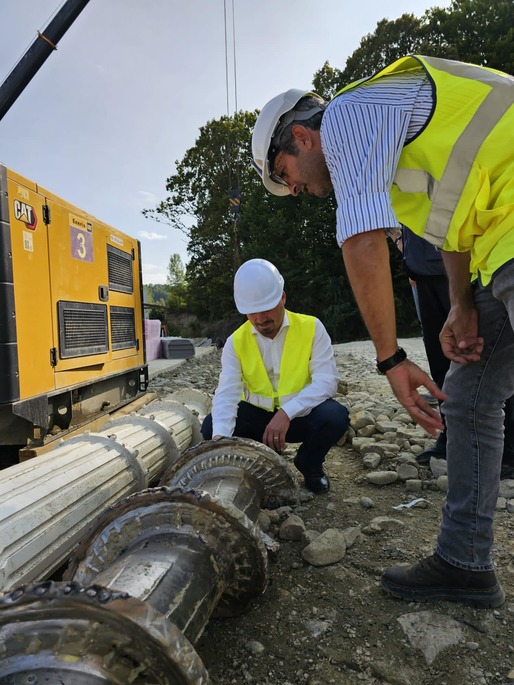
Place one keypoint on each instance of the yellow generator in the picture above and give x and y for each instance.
(71, 314)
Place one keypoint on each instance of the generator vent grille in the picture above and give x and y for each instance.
(119, 266)
(123, 328)
(82, 329)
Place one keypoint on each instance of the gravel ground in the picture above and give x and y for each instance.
(323, 618)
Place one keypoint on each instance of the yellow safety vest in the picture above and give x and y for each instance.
(454, 184)
(294, 364)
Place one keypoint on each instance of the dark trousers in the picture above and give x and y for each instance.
(434, 306)
(318, 431)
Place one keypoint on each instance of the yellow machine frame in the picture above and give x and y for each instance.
(71, 314)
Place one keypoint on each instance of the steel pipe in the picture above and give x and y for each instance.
(179, 551)
(195, 400)
(170, 546)
(47, 503)
(189, 549)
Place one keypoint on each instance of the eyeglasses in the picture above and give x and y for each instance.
(271, 161)
(278, 179)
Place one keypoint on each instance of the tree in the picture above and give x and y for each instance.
(198, 204)
(157, 293)
(176, 271)
(391, 40)
(297, 234)
(327, 81)
(177, 284)
(477, 31)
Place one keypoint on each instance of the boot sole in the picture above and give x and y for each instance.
(479, 599)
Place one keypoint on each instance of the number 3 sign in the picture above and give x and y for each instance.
(81, 244)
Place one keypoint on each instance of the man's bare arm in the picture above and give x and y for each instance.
(366, 258)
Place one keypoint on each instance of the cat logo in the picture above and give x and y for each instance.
(24, 212)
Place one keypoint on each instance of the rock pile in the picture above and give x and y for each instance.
(380, 429)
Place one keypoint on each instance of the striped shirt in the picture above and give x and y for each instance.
(362, 133)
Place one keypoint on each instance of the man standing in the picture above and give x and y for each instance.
(427, 143)
(278, 377)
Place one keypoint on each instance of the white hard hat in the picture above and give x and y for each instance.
(265, 127)
(258, 286)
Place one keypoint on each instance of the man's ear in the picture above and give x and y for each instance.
(302, 136)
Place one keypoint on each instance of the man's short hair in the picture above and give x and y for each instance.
(283, 136)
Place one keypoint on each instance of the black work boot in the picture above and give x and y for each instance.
(433, 579)
(315, 480)
(507, 470)
(437, 450)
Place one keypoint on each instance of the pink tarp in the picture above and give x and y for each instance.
(153, 339)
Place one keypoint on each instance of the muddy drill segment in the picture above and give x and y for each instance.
(155, 567)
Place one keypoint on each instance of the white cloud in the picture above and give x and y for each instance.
(148, 197)
(152, 235)
(154, 273)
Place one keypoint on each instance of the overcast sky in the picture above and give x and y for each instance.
(108, 114)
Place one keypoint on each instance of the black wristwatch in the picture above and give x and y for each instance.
(387, 364)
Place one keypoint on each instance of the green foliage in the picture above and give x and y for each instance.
(176, 271)
(297, 234)
(156, 314)
(477, 31)
(198, 192)
(157, 294)
(177, 284)
(391, 40)
(326, 81)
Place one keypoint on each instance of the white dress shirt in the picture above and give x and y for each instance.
(322, 368)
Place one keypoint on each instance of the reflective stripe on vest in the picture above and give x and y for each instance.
(294, 363)
(445, 194)
(457, 156)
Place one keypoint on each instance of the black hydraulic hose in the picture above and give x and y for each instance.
(38, 52)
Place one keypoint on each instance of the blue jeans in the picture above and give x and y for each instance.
(474, 418)
(323, 426)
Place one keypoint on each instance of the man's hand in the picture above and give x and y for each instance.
(276, 430)
(404, 380)
(459, 336)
